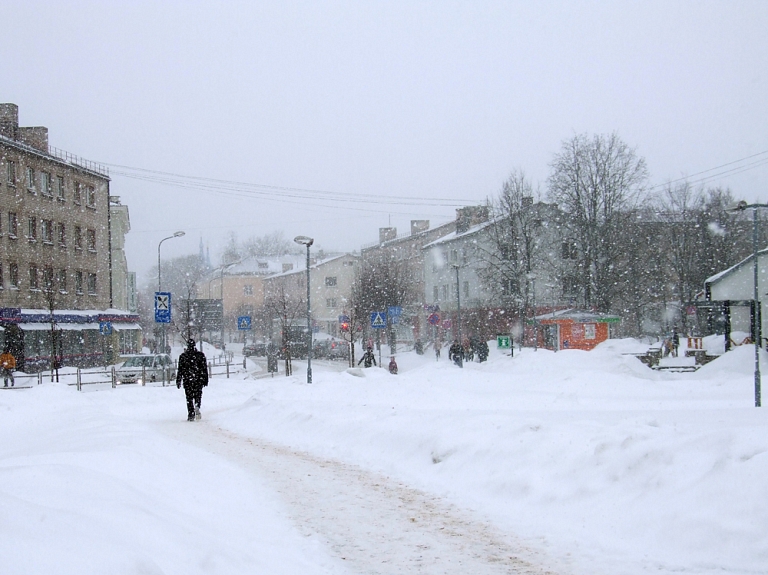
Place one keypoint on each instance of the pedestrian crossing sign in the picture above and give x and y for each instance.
(378, 319)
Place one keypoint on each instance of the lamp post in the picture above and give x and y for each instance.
(305, 241)
(740, 207)
(159, 276)
(532, 277)
(458, 315)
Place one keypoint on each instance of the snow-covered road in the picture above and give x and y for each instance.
(375, 524)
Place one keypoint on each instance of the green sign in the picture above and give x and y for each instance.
(503, 342)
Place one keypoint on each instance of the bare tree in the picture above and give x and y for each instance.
(512, 250)
(599, 182)
(382, 280)
(269, 245)
(281, 306)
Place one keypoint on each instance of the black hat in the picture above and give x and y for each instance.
(190, 342)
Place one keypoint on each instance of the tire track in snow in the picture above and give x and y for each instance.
(375, 524)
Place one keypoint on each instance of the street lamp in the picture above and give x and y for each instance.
(305, 241)
(458, 318)
(532, 277)
(735, 208)
(159, 276)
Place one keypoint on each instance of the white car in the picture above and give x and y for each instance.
(146, 368)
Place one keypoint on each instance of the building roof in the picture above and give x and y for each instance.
(453, 236)
(720, 275)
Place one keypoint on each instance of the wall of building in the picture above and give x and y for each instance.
(62, 229)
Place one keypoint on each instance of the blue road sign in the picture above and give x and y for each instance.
(244, 322)
(162, 307)
(394, 313)
(105, 327)
(343, 319)
(378, 319)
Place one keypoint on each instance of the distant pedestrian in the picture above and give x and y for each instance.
(438, 345)
(456, 353)
(368, 358)
(675, 342)
(7, 364)
(393, 366)
(193, 373)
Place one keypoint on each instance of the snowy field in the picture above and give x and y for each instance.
(573, 462)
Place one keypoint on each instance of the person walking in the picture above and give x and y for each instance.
(368, 358)
(456, 353)
(193, 373)
(675, 342)
(7, 364)
(393, 366)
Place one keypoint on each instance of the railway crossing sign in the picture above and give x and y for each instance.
(162, 307)
(378, 319)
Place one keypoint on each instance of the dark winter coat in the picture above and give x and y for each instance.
(456, 352)
(368, 359)
(193, 369)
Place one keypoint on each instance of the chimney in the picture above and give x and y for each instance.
(470, 216)
(9, 121)
(36, 138)
(386, 234)
(418, 226)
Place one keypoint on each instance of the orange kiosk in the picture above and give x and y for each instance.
(571, 329)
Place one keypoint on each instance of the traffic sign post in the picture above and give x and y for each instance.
(162, 307)
(394, 312)
(244, 323)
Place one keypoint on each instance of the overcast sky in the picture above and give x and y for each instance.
(336, 111)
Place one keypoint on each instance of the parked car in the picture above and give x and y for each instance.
(150, 366)
(330, 349)
(257, 349)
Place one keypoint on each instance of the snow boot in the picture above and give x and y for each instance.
(197, 413)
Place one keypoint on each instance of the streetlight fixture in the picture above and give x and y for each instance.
(460, 362)
(306, 241)
(159, 276)
(735, 208)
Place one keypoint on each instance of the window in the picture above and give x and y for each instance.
(263, 265)
(349, 263)
(330, 302)
(444, 291)
(569, 250)
(11, 173)
(330, 281)
(90, 197)
(13, 275)
(78, 238)
(77, 191)
(2, 283)
(287, 267)
(13, 225)
(435, 294)
(454, 256)
(60, 187)
(248, 289)
(466, 289)
(62, 281)
(79, 282)
(48, 279)
(61, 234)
(91, 235)
(570, 285)
(33, 285)
(46, 187)
(32, 229)
(31, 180)
(46, 227)
(91, 284)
